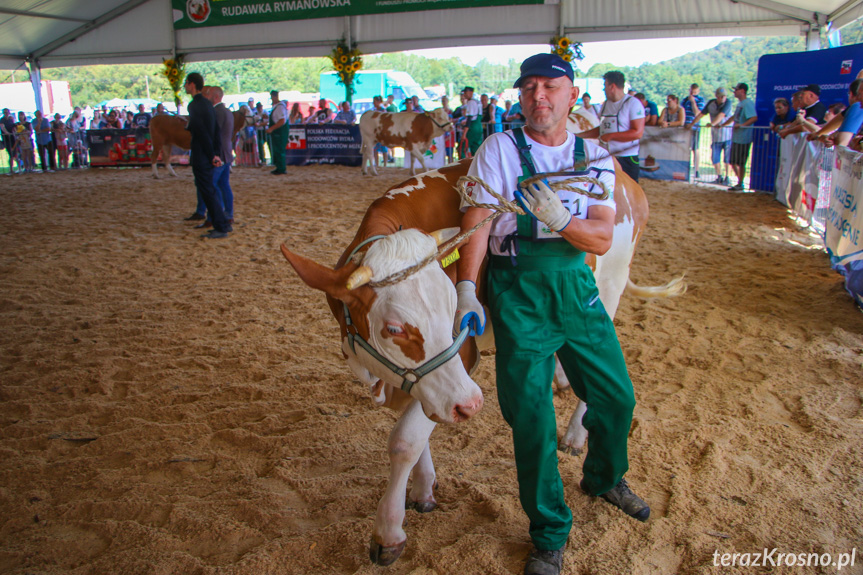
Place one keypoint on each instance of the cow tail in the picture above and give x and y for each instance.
(673, 288)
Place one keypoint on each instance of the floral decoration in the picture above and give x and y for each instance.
(566, 48)
(174, 70)
(347, 61)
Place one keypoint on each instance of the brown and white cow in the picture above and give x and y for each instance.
(167, 131)
(430, 202)
(409, 130)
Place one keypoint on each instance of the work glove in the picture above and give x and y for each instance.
(468, 311)
(542, 203)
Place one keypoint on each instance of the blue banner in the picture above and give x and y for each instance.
(780, 75)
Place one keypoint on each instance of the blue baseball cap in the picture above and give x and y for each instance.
(546, 65)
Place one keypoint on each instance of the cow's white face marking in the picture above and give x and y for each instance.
(411, 321)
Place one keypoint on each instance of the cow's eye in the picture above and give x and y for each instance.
(395, 329)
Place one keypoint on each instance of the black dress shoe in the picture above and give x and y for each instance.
(195, 216)
(277, 173)
(204, 224)
(214, 235)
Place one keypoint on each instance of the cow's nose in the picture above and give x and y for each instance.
(464, 411)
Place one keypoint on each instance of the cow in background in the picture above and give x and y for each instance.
(167, 131)
(409, 130)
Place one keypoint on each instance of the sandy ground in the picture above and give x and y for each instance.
(170, 405)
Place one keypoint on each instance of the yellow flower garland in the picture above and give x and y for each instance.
(347, 61)
(173, 69)
(566, 48)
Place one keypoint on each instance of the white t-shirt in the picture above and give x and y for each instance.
(280, 112)
(617, 117)
(497, 163)
(471, 108)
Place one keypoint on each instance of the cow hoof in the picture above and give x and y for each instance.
(570, 450)
(421, 506)
(384, 556)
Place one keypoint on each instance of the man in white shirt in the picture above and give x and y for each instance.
(543, 300)
(472, 119)
(621, 123)
(278, 132)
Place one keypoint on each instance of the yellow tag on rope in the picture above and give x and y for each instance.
(449, 259)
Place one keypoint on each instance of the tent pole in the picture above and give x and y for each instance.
(813, 38)
(36, 82)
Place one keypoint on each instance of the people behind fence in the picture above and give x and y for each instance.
(844, 125)
(278, 133)
(692, 105)
(718, 109)
(741, 134)
(783, 115)
(621, 123)
(673, 115)
(651, 112)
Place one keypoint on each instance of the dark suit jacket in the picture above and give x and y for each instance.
(204, 129)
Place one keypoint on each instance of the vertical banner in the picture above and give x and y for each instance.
(843, 235)
(783, 171)
(844, 224)
(803, 176)
(664, 153)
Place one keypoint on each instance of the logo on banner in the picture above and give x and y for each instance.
(297, 139)
(198, 10)
(846, 66)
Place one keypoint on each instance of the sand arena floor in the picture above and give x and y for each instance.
(170, 405)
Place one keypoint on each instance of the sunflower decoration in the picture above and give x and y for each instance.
(173, 69)
(566, 48)
(347, 61)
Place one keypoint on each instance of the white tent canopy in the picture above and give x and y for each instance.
(55, 33)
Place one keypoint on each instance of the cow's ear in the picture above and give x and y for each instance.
(332, 282)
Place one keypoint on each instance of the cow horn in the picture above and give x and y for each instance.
(444, 235)
(361, 276)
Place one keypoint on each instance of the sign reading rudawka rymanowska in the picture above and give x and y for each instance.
(199, 13)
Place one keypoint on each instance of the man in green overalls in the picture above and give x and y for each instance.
(278, 131)
(543, 300)
(472, 113)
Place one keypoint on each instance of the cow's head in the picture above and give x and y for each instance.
(441, 121)
(408, 322)
(581, 121)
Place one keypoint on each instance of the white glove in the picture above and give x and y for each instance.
(468, 311)
(542, 203)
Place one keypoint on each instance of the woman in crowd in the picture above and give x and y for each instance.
(296, 115)
(783, 115)
(673, 114)
(58, 129)
(113, 122)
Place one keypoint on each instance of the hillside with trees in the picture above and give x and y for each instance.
(728, 63)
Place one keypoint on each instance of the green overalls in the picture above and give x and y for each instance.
(542, 301)
(278, 143)
(474, 135)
